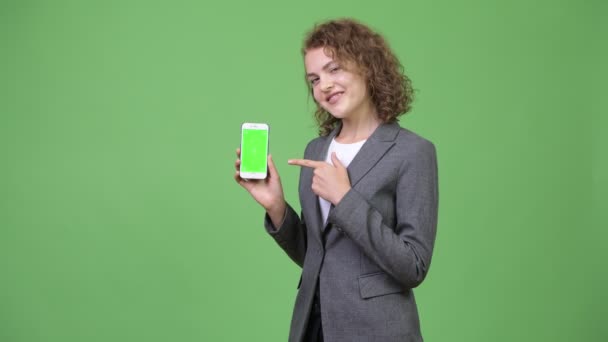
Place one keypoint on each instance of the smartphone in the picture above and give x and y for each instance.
(254, 150)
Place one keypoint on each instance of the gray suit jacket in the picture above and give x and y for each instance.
(377, 243)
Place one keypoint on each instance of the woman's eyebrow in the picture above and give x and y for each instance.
(324, 68)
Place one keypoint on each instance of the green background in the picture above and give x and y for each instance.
(120, 220)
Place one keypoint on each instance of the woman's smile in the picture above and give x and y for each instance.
(334, 97)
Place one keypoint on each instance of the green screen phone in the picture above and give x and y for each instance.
(254, 150)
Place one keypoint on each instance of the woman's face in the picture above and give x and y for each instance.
(336, 87)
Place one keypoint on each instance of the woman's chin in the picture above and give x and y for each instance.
(337, 114)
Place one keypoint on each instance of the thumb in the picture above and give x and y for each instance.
(272, 170)
(336, 161)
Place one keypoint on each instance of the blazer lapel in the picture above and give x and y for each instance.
(372, 151)
(382, 140)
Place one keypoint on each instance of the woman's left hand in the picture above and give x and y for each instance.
(329, 182)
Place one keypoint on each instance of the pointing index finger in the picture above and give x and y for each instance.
(305, 162)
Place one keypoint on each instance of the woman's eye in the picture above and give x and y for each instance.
(334, 69)
(314, 81)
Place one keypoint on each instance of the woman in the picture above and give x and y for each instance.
(368, 192)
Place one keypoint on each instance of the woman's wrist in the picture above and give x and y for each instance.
(277, 213)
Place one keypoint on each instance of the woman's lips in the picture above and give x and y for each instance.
(334, 97)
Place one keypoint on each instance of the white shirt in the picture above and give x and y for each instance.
(345, 153)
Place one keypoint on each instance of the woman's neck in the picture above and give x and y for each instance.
(356, 129)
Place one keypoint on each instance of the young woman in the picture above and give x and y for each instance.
(368, 193)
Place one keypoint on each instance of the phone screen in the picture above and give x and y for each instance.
(253, 150)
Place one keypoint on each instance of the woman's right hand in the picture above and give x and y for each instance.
(267, 192)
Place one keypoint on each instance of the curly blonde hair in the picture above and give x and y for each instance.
(348, 40)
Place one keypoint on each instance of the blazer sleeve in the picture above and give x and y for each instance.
(403, 251)
(290, 236)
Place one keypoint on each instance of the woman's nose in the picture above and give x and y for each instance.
(326, 85)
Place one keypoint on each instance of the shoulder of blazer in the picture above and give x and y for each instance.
(313, 144)
(409, 142)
